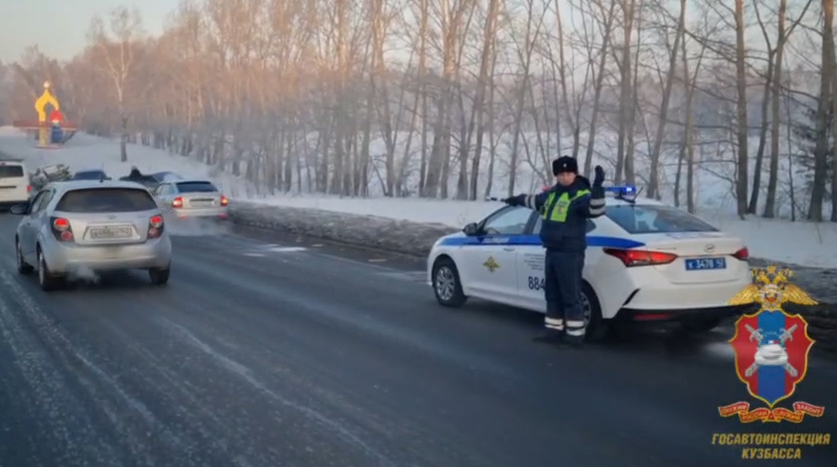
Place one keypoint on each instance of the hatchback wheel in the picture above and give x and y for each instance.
(159, 276)
(46, 279)
(22, 266)
(446, 284)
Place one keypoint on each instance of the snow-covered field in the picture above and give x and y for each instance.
(813, 245)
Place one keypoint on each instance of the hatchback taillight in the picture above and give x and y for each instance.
(61, 229)
(633, 258)
(224, 200)
(177, 203)
(155, 226)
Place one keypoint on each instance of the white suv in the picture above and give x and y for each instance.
(14, 183)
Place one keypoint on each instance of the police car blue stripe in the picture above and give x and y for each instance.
(535, 240)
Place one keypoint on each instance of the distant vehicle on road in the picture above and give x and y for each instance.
(93, 174)
(166, 177)
(645, 262)
(192, 199)
(15, 186)
(85, 225)
(146, 180)
(49, 173)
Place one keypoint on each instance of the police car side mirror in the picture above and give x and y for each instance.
(471, 229)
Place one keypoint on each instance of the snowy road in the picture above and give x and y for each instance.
(263, 356)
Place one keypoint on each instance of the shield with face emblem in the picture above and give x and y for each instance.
(759, 361)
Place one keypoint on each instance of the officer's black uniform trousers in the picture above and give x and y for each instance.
(562, 287)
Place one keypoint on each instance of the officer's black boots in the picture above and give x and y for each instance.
(559, 339)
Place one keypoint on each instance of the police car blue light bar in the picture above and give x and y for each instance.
(624, 190)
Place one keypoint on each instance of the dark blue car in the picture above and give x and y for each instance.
(90, 175)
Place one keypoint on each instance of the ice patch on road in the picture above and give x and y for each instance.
(287, 249)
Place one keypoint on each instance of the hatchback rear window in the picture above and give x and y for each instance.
(643, 219)
(104, 200)
(11, 171)
(196, 187)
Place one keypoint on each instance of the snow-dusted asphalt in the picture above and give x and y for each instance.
(271, 357)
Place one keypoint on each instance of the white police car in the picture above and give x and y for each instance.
(645, 261)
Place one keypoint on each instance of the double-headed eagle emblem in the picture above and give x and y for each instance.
(771, 294)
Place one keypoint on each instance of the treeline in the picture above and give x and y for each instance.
(456, 98)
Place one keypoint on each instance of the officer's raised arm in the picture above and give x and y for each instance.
(597, 195)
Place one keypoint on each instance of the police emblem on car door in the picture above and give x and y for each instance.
(498, 241)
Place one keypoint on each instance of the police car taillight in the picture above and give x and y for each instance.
(633, 258)
(742, 254)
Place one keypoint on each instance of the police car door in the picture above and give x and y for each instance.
(530, 268)
(492, 262)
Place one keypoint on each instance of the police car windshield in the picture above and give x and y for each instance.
(649, 218)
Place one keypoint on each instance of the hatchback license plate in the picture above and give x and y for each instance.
(703, 264)
(110, 232)
(201, 204)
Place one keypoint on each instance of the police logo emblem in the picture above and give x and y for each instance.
(771, 349)
(491, 264)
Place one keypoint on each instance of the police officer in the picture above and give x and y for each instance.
(565, 208)
(135, 174)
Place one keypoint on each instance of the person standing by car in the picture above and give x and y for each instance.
(565, 208)
(134, 176)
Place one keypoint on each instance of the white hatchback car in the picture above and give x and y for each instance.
(88, 225)
(645, 261)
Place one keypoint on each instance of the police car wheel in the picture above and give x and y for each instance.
(596, 329)
(446, 284)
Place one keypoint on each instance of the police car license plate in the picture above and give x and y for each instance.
(703, 264)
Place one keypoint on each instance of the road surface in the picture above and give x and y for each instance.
(257, 355)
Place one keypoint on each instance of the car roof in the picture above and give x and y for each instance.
(70, 185)
(639, 202)
(11, 161)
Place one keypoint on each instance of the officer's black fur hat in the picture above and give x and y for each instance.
(564, 164)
